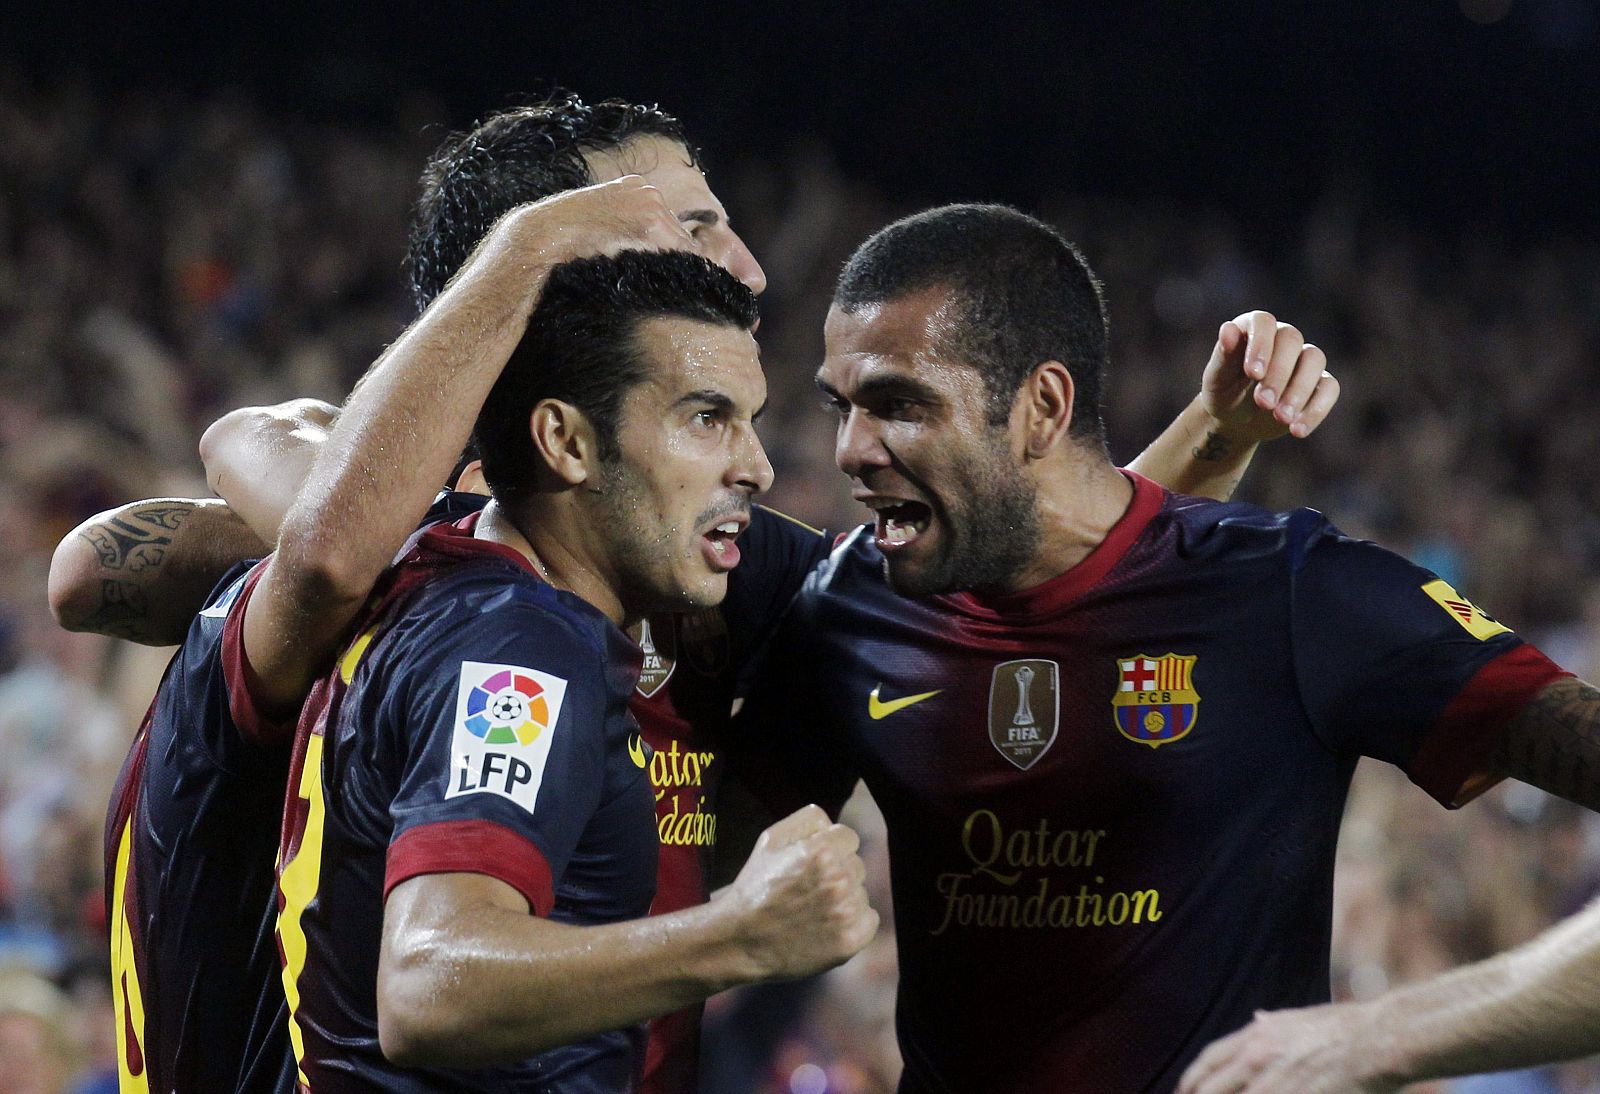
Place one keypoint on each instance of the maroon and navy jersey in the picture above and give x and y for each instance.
(477, 723)
(190, 839)
(1113, 800)
(692, 663)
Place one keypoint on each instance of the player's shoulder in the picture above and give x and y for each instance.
(1203, 528)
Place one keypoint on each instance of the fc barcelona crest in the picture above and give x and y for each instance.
(1024, 709)
(658, 641)
(1155, 702)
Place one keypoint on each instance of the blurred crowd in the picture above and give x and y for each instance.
(163, 260)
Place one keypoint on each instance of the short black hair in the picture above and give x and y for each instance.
(516, 156)
(581, 347)
(1023, 295)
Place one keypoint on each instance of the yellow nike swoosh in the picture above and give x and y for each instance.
(877, 708)
(636, 751)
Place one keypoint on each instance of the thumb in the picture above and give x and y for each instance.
(808, 820)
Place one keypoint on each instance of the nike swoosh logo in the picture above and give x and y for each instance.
(877, 708)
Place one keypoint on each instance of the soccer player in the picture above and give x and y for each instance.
(1110, 727)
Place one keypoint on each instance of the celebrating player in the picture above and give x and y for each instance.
(1110, 728)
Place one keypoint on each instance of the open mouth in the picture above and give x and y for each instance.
(900, 524)
(720, 550)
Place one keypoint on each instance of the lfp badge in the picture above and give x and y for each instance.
(1155, 702)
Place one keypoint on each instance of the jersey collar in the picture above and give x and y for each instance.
(1062, 590)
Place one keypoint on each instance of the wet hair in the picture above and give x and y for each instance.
(582, 347)
(1022, 295)
(510, 158)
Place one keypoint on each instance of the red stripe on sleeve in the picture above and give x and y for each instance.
(1451, 763)
(472, 847)
(241, 678)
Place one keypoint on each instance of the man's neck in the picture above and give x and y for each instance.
(548, 538)
(1080, 501)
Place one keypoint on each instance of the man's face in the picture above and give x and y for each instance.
(690, 464)
(954, 508)
(665, 165)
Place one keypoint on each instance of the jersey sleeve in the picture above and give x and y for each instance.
(1392, 662)
(240, 679)
(498, 731)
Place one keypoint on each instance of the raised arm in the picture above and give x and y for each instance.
(1263, 381)
(467, 977)
(407, 421)
(142, 571)
(258, 457)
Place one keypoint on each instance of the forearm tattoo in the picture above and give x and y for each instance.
(1555, 742)
(137, 540)
(1214, 448)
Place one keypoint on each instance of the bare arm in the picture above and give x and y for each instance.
(1555, 742)
(257, 457)
(1263, 381)
(403, 427)
(142, 571)
(1537, 1004)
(468, 977)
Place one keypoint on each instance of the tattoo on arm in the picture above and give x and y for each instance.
(137, 540)
(123, 612)
(1554, 743)
(1214, 448)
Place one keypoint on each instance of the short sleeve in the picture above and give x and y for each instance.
(239, 677)
(499, 731)
(1393, 663)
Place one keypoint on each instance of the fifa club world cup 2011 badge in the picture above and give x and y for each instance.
(658, 641)
(1024, 709)
(1155, 702)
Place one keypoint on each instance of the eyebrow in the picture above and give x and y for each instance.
(707, 217)
(718, 401)
(891, 385)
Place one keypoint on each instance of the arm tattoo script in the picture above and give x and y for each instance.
(1555, 742)
(1215, 447)
(137, 540)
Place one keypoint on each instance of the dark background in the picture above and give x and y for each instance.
(1477, 112)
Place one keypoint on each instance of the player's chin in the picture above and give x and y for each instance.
(703, 590)
(911, 575)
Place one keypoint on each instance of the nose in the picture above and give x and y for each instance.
(738, 261)
(857, 448)
(752, 471)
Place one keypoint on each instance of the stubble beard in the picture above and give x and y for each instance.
(991, 532)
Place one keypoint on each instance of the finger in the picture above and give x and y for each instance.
(1261, 329)
(1321, 403)
(845, 838)
(1225, 369)
(1303, 379)
(1286, 346)
(808, 820)
(1206, 1064)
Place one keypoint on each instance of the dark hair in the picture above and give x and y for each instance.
(1023, 295)
(581, 347)
(516, 156)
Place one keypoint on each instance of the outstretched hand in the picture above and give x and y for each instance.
(1313, 1050)
(1264, 380)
